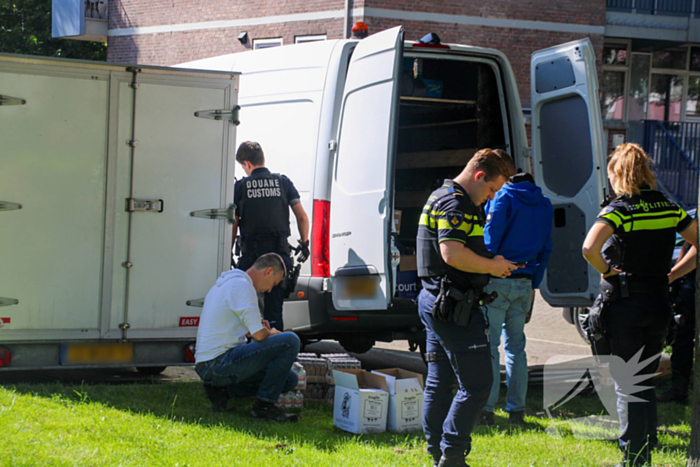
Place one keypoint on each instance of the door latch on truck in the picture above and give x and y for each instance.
(7, 206)
(220, 114)
(8, 301)
(144, 205)
(198, 302)
(229, 213)
(7, 100)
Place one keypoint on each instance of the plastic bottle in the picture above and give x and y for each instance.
(298, 400)
(289, 400)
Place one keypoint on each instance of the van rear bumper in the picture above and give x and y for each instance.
(400, 321)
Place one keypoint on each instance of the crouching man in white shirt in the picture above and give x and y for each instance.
(228, 365)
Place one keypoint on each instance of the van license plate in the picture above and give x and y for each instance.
(359, 287)
(82, 354)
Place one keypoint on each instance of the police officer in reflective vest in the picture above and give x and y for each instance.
(454, 266)
(262, 202)
(642, 224)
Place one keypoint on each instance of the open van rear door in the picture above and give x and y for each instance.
(569, 163)
(362, 178)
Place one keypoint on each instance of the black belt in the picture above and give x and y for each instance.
(521, 275)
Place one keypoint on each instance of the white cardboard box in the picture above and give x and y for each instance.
(405, 399)
(361, 401)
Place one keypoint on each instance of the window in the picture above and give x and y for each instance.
(612, 90)
(665, 97)
(302, 39)
(692, 106)
(695, 59)
(615, 55)
(612, 84)
(671, 59)
(266, 43)
(638, 96)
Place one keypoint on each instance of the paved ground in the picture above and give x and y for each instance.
(548, 334)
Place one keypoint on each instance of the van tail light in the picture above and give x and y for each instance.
(5, 356)
(320, 248)
(189, 353)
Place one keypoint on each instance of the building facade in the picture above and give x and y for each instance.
(648, 50)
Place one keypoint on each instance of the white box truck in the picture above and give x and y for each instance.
(364, 128)
(116, 185)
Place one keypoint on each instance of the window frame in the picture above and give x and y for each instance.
(267, 43)
(310, 38)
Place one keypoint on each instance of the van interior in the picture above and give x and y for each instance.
(449, 109)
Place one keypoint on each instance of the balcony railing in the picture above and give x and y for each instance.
(656, 7)
(675, 150)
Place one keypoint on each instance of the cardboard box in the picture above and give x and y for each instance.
(408, 263)
(361, 401)
(405, 399)
(397, 221)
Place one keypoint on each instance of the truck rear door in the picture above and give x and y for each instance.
(569, 163)
(362, 185)
(168, 246)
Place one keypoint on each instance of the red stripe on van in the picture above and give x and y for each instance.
(320, 252)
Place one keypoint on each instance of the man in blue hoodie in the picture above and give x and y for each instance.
(518, 227)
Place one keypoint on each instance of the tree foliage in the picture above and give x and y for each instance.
(25, 28)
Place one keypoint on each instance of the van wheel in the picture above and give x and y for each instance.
(151, 370)
(579, 315)
(357, 345)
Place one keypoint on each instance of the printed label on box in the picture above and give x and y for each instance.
(4, 323)
(409, 408)
(373, 408)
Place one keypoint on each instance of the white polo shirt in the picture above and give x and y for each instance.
(230, 311)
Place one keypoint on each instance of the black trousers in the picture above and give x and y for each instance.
(639, 322)
(683, 347)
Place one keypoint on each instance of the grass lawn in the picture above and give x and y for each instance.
(172, 425)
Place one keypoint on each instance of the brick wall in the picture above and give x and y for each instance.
(177, 47)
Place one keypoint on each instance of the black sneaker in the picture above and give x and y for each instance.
(268, 411)
(516, 418)
(487, 419)
(219, 397)
(452, 462)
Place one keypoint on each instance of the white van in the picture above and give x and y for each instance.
(369, 128)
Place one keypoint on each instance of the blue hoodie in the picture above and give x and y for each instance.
(519, 227)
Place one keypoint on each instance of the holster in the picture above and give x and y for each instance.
(453, 305)
(595, 327)
(614, 288)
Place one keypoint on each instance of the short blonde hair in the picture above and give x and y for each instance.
(488, 161)
(630, 165)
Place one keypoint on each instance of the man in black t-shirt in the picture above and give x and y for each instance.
(262, 202)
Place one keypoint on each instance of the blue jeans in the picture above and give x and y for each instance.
(449, 420)
(507, 318)
(260, 368)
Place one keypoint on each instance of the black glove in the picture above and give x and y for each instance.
(303, 251)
